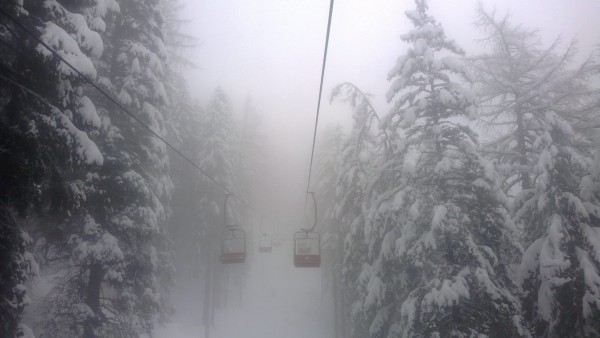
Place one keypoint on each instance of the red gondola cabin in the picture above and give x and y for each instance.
(233, 246)
(265, 244)
(307, 249)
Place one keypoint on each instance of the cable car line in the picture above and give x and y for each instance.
(307, 251)
(122, 108)
(307, 242)
(320, 94)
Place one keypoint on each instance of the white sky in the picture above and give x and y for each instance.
(271, 50)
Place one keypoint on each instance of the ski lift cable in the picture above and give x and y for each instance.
(320, 94)
(122, 108)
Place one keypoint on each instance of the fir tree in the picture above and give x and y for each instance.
(46, 124)
(560, 270)
(346, 214)
(446, 262)
(216, 158)
(518, 80)
(120, 248)
(327, 172)
(184, 132)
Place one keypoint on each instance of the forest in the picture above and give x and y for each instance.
(469, 207)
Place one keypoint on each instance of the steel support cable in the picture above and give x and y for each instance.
(312, 153)
(122, 108)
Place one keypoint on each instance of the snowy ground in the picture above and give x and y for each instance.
(279, 301)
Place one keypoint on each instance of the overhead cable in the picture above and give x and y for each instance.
(122, 108)
(312, 153)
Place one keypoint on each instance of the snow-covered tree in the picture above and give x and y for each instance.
(218, 135)
(72, 160)
(47, 120)
(249, 152)
(18, 266)
(119, 250)
(182, 127)
(184, 131)
(518, 80)
(176, 40)
(327, 165)
(345, 218)
(327, 162)
(441, 242)
(250, 176)
(560, 270)
(139, 208)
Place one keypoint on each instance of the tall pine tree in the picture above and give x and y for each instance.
(121, 249)
(447, 258)
(217, 159)
(518, 80)
(46, 125)
(560, 270)
(346, 215)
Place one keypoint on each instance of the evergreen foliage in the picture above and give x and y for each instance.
(45, 124)
(560, 270)
(428, 231)
(518, 80)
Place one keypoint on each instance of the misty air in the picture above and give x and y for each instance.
(299, 169)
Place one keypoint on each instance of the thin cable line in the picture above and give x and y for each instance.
(312, 153)
(145, 126)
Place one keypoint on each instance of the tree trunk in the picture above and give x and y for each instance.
(92, 299)
(336, 308)
(241, 287)
(522, 149)
(207, 296)
(338, 296)
(344, 317)
(216, 285)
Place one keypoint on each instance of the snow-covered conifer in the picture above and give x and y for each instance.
(518, 80)
(327, 166)
(347, 215)
(560, 270)
(249, 151)
(218, 137)
(121, 245)
(443, 265)
(47, 119)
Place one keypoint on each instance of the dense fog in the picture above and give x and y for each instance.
(168, 170)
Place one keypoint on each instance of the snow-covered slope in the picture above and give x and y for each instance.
(278, 300)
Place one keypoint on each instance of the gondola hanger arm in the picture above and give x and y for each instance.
(225, 204)
(260, 227)
(314, 225)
